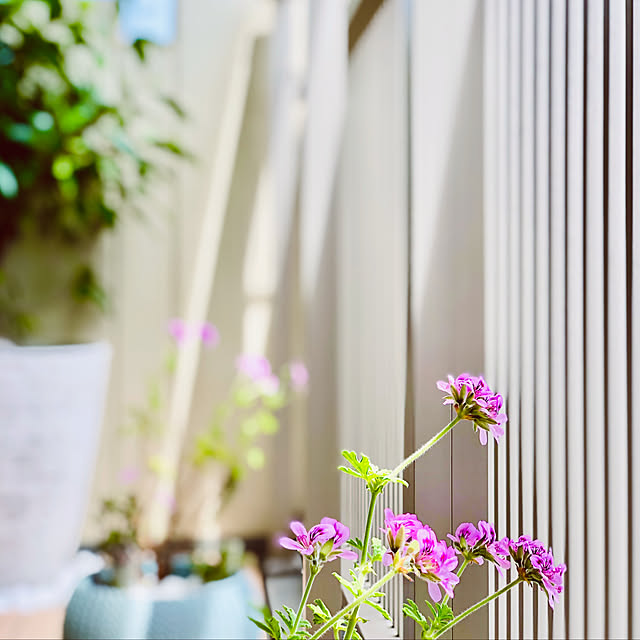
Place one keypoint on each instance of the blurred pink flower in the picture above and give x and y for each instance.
(299, 375)
(129, 475)
(209, 334)
(270, 385)
(177, 330)
(256, 368)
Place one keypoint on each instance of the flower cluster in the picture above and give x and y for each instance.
(415, 548)
(473, 400)
(481, 543)
(536, 566)
(181, 332)
(324, 542)
(258, 370)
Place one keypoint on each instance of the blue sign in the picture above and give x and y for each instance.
(152, 20)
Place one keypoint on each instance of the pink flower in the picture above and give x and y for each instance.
(129, 475)
(477, 545)
(435, 563)
(536, 566)
(270, 385)
(209, 334)
(324, 542)
(254, 367)
(299, 376)
(177, 330)
(473, 400)
(415, 548)
(307, 542)
(340, 535)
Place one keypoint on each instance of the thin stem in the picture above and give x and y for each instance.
(363, 559)
(425, 447)
(477, 606)
(463, 566)
(352, 605)
(305, 596)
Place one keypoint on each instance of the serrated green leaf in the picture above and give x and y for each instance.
(345, 583)
(260, 625)
(380, 609)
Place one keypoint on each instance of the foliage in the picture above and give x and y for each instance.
(441, 616)
(70, 163)
(375, 478)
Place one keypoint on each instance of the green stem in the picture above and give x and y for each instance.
(477, 606)
(463, 566)
(352, 605)
(305, 596)
(425, 447)
(363, 559)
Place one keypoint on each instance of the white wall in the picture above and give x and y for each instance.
(149, 265)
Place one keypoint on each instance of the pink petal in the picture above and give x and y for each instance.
(288, 543)
(298, 528)
(434, 591)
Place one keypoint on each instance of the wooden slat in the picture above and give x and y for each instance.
(635, 314)
(594, 322)
(491, 125)
(616, 327)
(514, 249)
(575, 579)
(557, 301)
(501, 231)
(527, 301)
(542, 529)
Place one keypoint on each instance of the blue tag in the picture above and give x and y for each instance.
(152, 20)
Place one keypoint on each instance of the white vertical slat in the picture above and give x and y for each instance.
(635, 345)
(557, 325)
(491, 125)
(574, 594)
(617, 481)
(594, 305)
(502, 226)
(527, 303)
(513, 400)
(542, 288)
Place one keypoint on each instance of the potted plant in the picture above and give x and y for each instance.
(70, 167)
(184, 588)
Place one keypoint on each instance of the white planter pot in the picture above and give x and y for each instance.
(51, 409)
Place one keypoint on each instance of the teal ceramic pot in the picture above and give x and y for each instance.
(216, 610)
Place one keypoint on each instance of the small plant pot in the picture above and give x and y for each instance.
(216, 609)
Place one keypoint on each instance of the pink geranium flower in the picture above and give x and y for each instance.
(473, 400)
(254, 367)
(299, 376)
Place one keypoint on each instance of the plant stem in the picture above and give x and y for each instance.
(305, 596)
(352, 605)
(425, 447)
(463, 566)
(477, 606)
(363, 559)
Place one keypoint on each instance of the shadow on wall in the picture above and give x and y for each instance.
(449, 336)
(253, 508)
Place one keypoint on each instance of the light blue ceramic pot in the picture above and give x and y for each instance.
(217, 610)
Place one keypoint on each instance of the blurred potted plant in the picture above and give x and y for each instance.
(184, 589)
(69, 167)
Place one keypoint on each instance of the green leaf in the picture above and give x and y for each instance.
(383, 612)
(345, 583)
(255, 458)
(174, 106)
(320, 611)
(8, 182)
(267, 422)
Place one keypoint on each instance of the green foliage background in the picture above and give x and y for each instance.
(69, 163)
